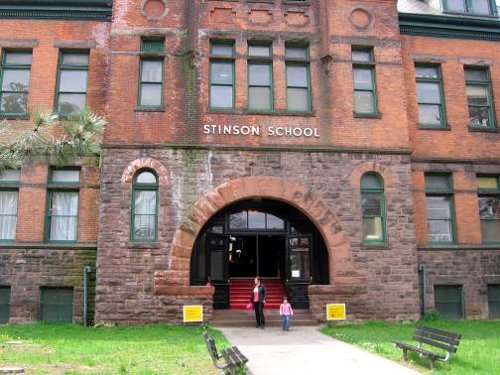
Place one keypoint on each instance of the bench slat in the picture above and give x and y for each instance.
(439, 332)
(424, 352)
(240, 355)
(437, 344)
(231, 357)
(432, 336)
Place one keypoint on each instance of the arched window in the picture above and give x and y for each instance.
(373, 208)
(144, 207)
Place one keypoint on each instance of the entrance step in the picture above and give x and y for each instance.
(246, 318)
(239, 293)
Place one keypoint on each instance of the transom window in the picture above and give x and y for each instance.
(253, 219)
(222, 75)
(473, 7)
(144, 207)
(298, 86)
(72, 82)
(260, 77)
(431, 112)
(440, 215)
(15, 80)
(363, 69)
(479, 98)
(373, 208)
(489, 207)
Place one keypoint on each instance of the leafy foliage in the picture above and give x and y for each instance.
(52, 140)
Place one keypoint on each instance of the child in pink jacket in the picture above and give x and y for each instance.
(286, 312)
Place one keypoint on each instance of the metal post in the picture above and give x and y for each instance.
(421, 268)
(86, 272)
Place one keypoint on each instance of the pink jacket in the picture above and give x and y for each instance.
(286, 309)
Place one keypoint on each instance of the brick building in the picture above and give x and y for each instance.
(345, 151)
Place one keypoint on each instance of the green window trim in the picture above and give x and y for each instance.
(467, 8)
(262, 61)
(56, 304)
(435, 80)
(372, 186)
(137, 188)
(449, 300)
(13, 215)
(143, 83)
(484, 84)
(70, 68)
(443, 192)
(489, 213)
(358, 66)
(220, 59)
(302, 62)
(12, 91)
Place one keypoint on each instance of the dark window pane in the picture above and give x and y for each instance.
(494, 301)
(437, 183)
(151, 94)
(221, 96)
(363, 56)
(296, 76)
(475, 75)
(73, 81)
(222, 73)
(151, 71)
(261, 51)
(259, 75)
(429, 114)
(146, 178)
(371, 181)
(428, 92)
(364, 102)
(448, 301)
(70, 104)
(56, 304)
(478, 116)
(297, 99)
(151, 45)
(238, 220)
(371, 204)
(15, 80)
(363, 79)
(75, 59)
(256, 220)
(296, 52)
(4, 304)
(14, 103)
(490, 230)
(457, 6)
(426, 72)
(18, 58)
(225, 50)
(259, 98)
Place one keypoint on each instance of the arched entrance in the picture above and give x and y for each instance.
(261, 237)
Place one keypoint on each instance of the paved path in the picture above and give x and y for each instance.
(304, 350)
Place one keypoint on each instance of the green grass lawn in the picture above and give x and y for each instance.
(73, 349)
(478, 351)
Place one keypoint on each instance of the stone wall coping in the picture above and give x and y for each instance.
(196, 290)
(466, 247)
(336, 289)
(51, 246)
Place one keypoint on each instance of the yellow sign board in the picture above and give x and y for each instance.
(335, 311)
(192, 313)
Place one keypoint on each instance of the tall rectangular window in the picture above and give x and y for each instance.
(363, 70)
(56, 304)
(72, 82)
(9, 185)
(479, 98)
(298, 85)
(4, 304)
(448, 301)
(62, 205)
(222, 75)
(151, 74)
(489, 207)
(472, 7)
(15, 78)
(440, 209)
(431, 110)
(494, 301)
(260, 77)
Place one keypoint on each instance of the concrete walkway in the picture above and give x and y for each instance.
(304, 350)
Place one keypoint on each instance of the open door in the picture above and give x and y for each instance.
(217, 245)
(299, 269)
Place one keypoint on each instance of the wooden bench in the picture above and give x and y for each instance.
(435, 338)
(231, 357)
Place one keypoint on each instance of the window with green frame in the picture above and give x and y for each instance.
(298, 81)
(373, 208)
(222, 74)
(4, 304)
(9, 193)
(489, 207)
(151, 75)
(448, 301)
(144, 226)
(56, 304)
(494, 301)
(260, 76)
(72, 82)
(363, 71)
(472, 7)
(15, 77)
(430, 98)
(61, 223)
(440, 208)
(479, 98)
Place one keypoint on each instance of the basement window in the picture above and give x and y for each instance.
(56, 304)
(4, 304)
(448, 301)
(494, 301)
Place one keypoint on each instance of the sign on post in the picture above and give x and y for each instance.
(335, 311)
(192, 313)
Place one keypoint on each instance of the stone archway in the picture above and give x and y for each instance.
(343, 274)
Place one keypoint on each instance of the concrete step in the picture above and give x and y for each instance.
(246, 318)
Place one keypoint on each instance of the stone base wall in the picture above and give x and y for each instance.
(25, 270)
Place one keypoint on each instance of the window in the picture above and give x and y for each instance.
(72, 83)
(448, 301)
(479, 98)
(298, 86)
(489, 207)
(253, 219)
(144, 207)
(151, 74)
(9, 182)
(440, 216)
(431, 112)
(494, 301)
(363, 70)
(222, 75)
(56, 304)
(260, 77)
(372, 207)
(15, 78)
(62, 203)
(473, 7)
(4, 304)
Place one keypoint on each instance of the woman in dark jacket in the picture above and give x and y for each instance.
(258, 298)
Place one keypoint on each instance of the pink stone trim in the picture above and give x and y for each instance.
(148, 163)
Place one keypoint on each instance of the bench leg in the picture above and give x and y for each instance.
(405, 354)
(431, 364)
